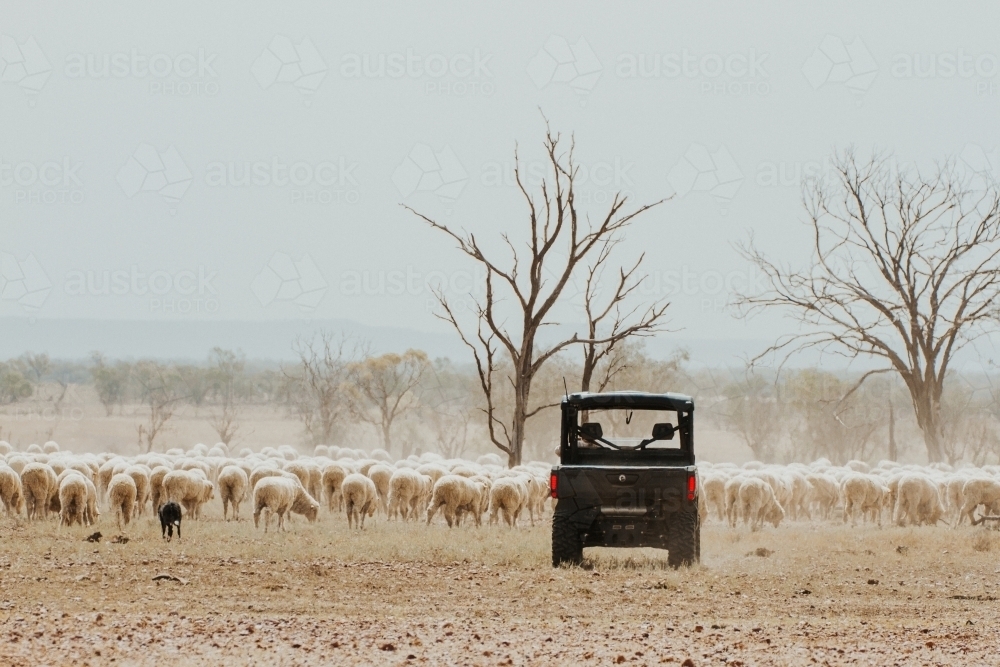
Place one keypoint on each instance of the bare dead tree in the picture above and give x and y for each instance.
(317, 384)
(388, 385)
(158, 388)
(555, 226)
(613, 322)
(904, 269)
(227, 378)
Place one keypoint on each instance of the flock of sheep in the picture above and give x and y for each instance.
(278, 481)
(906, 494)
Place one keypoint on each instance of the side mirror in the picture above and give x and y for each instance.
(591, 430)
(663, 431)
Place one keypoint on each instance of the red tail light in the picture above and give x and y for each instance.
(554, 485)
(692, 487)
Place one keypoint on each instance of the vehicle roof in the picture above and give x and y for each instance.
(637, 400)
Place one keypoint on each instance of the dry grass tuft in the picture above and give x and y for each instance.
(984, 541)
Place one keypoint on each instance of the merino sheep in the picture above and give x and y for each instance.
(40, 485)
(188, 488)
(360, 498)
(976, 492)
(918, 501)
(280, 495)
(457, 495)
(11, 492)
(90, 512)
(381, 473)
(406, 487)
(758, 503)
(121, 497)
(156, 494)
(508, 496)
(863, 494)
(72, 499)
(713, 489)
(333, 477)
(140, 475)
(233, 483)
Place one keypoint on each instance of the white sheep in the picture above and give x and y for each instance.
(360, 498)
(918, 501)
(333, 477)
(976, 492)
(40, 485)
(189, 488)
(233, 484)
(72, 499)
(140, 475)
(863, 494)
(281, 495)
(508, 496)
(11, 493)
(406, 488)
(457, 495)
(156, 494)
(758, 503)
(380, 474)
(121, 497)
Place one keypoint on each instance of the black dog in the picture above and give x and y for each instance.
(170, 516)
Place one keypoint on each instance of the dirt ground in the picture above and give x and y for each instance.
(399, 594)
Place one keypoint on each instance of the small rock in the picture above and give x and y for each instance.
(873, 582)
(688, 662)
(387, 647)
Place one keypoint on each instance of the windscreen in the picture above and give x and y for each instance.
(628, 428)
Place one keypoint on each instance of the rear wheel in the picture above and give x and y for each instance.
(683, 539)
(567, 544)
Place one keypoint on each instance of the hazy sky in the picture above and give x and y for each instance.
(247, 161)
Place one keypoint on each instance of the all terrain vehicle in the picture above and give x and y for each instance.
(627, 476)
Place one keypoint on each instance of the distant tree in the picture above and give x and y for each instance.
(317, 386)
(228, 381)
(34, 366)
(753, 411)
(827, 421)
(197, 383)
(110, 381)
(161, 390)
(13, 385)
(386, 388)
